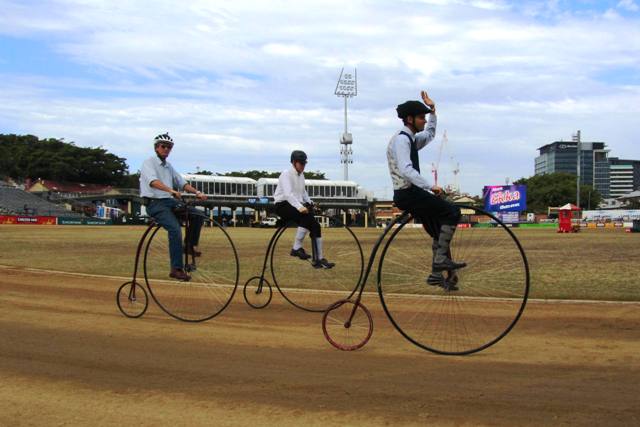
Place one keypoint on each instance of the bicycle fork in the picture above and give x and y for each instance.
(402, 218)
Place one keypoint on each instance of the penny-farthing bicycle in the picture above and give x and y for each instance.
(491, 293)
(214, 273)
(302, 285)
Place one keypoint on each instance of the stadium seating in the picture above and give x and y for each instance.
(14, 201)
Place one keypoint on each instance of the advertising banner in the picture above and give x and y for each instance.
(24, 219)
(69, 221)
(611, 215)
(505, 198)
(83, 221)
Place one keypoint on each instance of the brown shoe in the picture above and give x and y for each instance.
(178, 273)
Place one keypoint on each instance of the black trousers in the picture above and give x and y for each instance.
(289, 213)
(430, 209)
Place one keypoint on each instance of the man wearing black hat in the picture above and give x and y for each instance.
(293, 204)
(413, 192)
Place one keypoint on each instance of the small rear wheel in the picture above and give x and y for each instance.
(132, 299)
(347, 325)
(257, 292)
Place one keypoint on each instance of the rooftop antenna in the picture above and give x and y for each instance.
(347, 87)
(455, 172)
(436, 165)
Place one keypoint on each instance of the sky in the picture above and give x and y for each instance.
(239, 85)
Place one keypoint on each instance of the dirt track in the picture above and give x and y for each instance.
(67, 356)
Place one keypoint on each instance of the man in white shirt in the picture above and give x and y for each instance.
(160, 187)
(413, 192)
(293, 204)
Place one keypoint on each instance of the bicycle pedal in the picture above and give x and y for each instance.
(450, 287)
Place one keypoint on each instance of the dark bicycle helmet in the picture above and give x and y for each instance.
(163, 139)
(412, 108)
(298, 156)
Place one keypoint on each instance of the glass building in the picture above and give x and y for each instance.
(561, 156)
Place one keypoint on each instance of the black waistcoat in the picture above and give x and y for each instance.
(415, 160)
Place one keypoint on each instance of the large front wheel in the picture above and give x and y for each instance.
(214, 275)
(477, 306)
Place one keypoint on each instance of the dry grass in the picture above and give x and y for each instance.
(594, 264)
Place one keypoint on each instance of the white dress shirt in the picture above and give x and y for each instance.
(291, 189)
(399, 156)
(153, 169)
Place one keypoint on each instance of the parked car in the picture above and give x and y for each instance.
(269, 222)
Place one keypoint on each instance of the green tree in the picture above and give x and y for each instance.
(557, 189)
(256, 174)
(27, 156)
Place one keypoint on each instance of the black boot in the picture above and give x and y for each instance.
(441, 261)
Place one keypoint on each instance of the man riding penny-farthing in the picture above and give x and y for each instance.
(192, 279)
(447, 290)
(309, 280)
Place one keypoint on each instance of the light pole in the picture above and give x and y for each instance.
(576, 138)
(347, 87)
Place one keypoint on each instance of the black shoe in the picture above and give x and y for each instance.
(300, 253)
(435, 280)
(447, 264)
(323, 263)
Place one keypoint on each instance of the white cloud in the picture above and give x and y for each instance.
(283, 49)
(240, 84)
(628, 5)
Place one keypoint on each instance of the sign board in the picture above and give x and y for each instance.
(505, 198)
(83, 221)
(258, 201)
(509, 217)
(24, 219)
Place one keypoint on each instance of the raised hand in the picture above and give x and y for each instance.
(428, 101)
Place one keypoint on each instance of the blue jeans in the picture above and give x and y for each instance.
(162, 211)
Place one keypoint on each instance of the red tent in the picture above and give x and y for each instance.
(569, 217)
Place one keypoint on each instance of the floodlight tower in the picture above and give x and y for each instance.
(347, 87)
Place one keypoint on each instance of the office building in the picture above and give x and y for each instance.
(561, 156)
(624, 176)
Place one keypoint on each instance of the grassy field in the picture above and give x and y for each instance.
(593, 264)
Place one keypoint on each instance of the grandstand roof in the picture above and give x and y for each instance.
(311, 182)
(218, 178)
(67, 187)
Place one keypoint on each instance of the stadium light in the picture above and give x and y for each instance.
(347, 87)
